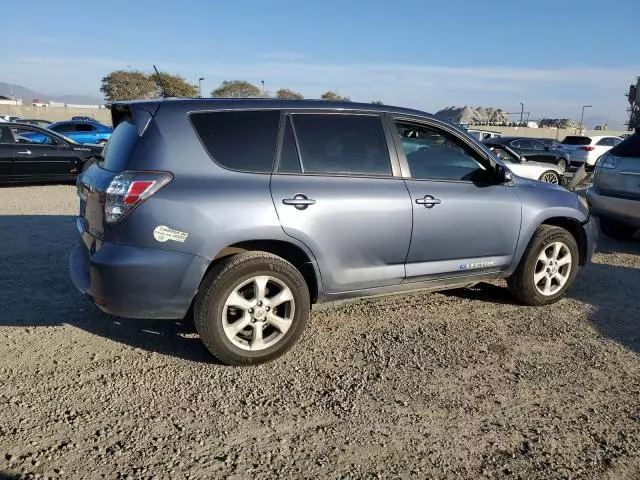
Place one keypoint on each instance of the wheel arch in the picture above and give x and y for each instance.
(574, 227)
(286, 250)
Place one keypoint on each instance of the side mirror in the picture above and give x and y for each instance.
(503, 174)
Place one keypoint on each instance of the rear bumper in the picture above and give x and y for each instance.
(624, 210)
(137, 282)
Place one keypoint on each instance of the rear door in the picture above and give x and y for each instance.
(85, 133)
(337, 189)
(47, 159)
(464, 222)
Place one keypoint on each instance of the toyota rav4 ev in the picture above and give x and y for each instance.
(244, 213)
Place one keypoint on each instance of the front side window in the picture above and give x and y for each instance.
(500, 152)
(342, 144)
(537, 145)
(433, 154)
(242, 140)
(27, 135)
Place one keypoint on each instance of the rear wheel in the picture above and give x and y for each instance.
(547, 268)
(550, 177)
(251, 308)
(616, 230)
(563, 164)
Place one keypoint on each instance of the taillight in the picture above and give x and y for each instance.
(127, 190)
(587, 149)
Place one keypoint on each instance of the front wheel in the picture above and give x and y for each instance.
(547, 268)
(550, 177)
(251, 308)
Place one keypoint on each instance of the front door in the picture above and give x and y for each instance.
(340, 198)
(464, 223)
(45, 158)
(7, 142)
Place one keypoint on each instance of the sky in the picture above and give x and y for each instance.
(554, 56)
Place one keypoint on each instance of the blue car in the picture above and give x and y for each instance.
(83, 131)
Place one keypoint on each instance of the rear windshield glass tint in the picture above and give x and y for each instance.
(118, 150)
(576, 141)
(630, 147)
(239, 140)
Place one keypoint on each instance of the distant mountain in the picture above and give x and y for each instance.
(27, 96)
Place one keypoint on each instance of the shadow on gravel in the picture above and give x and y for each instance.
(8, 476)
(36, 291)
(611, 289)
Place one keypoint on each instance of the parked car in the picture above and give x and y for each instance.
(35, 121)
(53, 159)
(535, 150)
(84, 119)
(83, 132)
(248, 211)
(524, 168)
(615, 194)
(587, 150)
(483, 134)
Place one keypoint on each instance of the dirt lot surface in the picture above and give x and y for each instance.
(463, 384)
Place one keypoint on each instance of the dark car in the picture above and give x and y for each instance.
(53, 159)
(246, 212)
(533, 149)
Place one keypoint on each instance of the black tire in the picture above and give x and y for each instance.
(616, 230)
(545, 177)
(220, 282)
(521, 283)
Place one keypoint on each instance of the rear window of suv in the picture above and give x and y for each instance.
(119, 147)
(630, 147)
(239, 140)
(575, 140)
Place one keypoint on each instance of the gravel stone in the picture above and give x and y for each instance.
(460, 384)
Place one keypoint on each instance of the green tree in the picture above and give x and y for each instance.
(377, 102)
(236, 89)
(175, 85)
(127, 85)
(334, 97)
(287, 94)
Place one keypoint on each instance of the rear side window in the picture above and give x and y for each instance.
(63, 127)
(575, 140)
(239, 140)
(342, 144)
(119, 147)
(84, 127)
(629, 147)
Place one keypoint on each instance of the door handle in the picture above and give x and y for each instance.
(24, 152)
(428, 201)
(299, 201)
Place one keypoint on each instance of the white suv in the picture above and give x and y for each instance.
(588, 149)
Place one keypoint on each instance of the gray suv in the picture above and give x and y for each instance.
(615, 194)
(247, 212)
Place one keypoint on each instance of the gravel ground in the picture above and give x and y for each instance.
(463, 384)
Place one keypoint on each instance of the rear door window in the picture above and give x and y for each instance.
(342, 144)
(84, 127)
(243, 140)
(576, 140)
(63, 128)
(629, 147)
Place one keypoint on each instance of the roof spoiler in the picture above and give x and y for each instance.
(139, 113)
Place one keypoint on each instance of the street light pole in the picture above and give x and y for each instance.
(582, 116)
(521, 112)
(200, 86)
